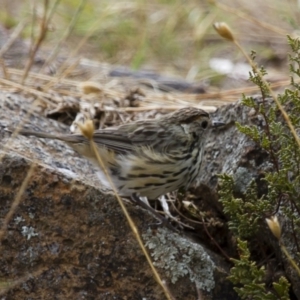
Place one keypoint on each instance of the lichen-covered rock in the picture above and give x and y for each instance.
(68, 238)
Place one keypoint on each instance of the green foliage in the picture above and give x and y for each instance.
(244, 214)
(250, 279)
(247, 213)
(257, 80)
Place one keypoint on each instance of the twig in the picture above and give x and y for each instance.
(15, 34)
(42, 35)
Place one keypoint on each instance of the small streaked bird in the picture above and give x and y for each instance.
(147, 158)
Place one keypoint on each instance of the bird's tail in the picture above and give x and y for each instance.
(69, 138)
(39, 134)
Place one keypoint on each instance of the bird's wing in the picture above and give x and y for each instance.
(113, 140)
(127, 137)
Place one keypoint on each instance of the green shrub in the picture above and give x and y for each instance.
(247, 214)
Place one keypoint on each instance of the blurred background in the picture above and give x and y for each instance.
(114, 62)
(171, 37)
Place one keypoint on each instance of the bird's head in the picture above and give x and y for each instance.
(192, 120)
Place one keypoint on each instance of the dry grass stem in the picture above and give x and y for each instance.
(88, 131)
(290, 259)
(32, 91)
(247, 17)
(4, 69)
(63, 74)
(44, 23)
(66, 34)
(60, 71)
(42, 35)
(274, 96)
(15, 34)
(16, 202)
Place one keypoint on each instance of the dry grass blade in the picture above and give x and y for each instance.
(290, 258)
(247, 17)
(87, 130)
(16, 33)
(4, 69)
(286, 117)
(60, 73)
(29, 90)
(42, 35)
(66, 34)
(16, 202)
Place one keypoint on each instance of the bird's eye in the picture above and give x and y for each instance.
(204, 124)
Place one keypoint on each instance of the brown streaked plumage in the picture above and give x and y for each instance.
(147, 158)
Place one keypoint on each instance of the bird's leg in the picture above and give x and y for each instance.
(145, 200)
(164, 204)
(163, 220)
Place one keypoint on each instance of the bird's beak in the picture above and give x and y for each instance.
(216, 124)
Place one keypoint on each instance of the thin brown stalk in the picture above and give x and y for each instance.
(246, 16)
(88, 133)
(72, 54)
(65, 36)
(203, 223)
(290, 259)
(15, 34)
(42, 35)
(52, 10)
(222, 96)
(16, 202)
(4, 69)
(224, 31)
(183, 216)
(33, 91)
(239, 91)
(214, 241)
(62, 75)
(40, 39)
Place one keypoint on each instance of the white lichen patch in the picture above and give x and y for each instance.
(28, 232)
(180, 257)
(19, 219)
(67, 173)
